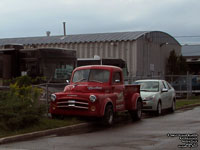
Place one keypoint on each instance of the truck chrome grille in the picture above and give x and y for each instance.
(72, 103)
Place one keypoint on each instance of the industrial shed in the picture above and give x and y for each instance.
(192, 55)
(145, 52)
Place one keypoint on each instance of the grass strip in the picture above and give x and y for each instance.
(48, 123)
(44, 124)
(184, 102)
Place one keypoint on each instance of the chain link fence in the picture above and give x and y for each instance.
(47, 90)
(185, 85)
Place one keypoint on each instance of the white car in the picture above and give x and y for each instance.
(157, 95)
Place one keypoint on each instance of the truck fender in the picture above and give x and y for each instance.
(107, 101)
(134, 99)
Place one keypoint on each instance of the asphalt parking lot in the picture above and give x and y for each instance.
(151, 133)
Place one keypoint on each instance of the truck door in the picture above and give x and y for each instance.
(118, 89)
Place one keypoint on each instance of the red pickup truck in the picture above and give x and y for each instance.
(97, 91)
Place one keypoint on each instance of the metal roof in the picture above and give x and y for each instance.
(190, 50)
(96, 37)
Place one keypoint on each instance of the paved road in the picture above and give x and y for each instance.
(148, 134)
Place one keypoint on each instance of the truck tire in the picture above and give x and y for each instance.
(55, 116)
(137, 114)
(108, 117)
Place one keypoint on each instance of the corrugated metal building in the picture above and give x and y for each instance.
(146, 52)
(192, 56)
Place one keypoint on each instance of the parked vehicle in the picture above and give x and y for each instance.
(184, 83)
(97, 91)
(157, 95)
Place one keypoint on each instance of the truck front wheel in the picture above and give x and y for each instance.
(137, 114)
(108, 116)
(55, 116)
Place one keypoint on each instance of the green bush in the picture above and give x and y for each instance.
(25, 80)
(19, 107)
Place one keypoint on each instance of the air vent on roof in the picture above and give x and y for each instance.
(48, 33)
(62, 38)
(64, 28)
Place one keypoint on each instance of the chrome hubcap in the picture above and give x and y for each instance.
(110, 119)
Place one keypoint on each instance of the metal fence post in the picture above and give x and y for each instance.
(47, 93)
(189, 85)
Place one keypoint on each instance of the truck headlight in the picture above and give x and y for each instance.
(93, 98)
(53, 97)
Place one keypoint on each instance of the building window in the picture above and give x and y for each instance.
(1, 69)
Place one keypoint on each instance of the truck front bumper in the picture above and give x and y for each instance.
(90, 110)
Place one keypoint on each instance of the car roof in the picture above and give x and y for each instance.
(147, 80)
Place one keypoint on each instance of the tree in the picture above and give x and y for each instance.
(176, 64)
(183, 67)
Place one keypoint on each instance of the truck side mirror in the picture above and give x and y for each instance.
(67, 81)
(117, 81)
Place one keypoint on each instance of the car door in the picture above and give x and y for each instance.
(164, 95)
(118, 90)
(171, 94)
(168, 95)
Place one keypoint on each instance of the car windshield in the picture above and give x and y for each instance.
(149, 86)
(91, 75)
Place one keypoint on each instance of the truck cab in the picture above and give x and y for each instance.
(97, 91)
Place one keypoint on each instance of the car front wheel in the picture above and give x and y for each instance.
(173, 108)
(159, 109)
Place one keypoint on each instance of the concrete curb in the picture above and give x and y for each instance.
(188, 106)
(83, 127)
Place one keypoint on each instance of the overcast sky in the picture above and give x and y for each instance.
(29, 18)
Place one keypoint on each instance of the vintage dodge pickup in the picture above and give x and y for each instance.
(97, 91)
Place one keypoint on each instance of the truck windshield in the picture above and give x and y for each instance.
(91, 75)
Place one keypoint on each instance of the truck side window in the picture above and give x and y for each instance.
(116, 77)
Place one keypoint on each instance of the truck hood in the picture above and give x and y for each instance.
(87, 88)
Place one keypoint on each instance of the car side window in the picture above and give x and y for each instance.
(169, 86)
(116, 78)
(165, 85)
(161, 85)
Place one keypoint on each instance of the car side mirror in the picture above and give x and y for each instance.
(67, 81)
(164, 90)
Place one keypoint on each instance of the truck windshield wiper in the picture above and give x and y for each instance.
(95, 81)
(80, 80)
(145, 90)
